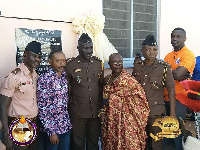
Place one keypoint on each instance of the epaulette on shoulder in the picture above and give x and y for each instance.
(16, 71)
(162, 62)
(97, 58)
(138, 62)
(68, 60)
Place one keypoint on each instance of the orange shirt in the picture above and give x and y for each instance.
(22, 88)
(183, 57)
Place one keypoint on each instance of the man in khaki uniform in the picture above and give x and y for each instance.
(18, 92)
(85, 78)
(154, 75)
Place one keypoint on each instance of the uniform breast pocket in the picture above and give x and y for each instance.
(96, 76)
(25, 86)
(78, 77)
(156, 82)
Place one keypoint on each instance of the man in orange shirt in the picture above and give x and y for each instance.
(182, 61)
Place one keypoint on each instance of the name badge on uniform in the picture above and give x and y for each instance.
(77, 70)
(22, 84)
(78, 79)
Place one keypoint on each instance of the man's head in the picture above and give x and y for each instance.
(57, 60)
(85, 46)
(150, 48)
(116, 62)
(32, 54)
(178, 38)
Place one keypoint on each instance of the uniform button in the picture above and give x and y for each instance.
(145, 75)
(143, 83)
(155, 102)
(90, 98)
(90, 89)
(88, 79)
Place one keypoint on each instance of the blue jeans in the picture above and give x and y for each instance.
(64, 140)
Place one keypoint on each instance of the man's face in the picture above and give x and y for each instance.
(149, 52)
(116, 63)
(177, 39)
(32, 59)
(58, 62)
(85, 50)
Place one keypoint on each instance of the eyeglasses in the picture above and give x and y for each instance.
(117, 62)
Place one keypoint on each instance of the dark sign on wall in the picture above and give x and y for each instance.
(50, 40)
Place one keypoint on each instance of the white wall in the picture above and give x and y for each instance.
(59, 10)
(180, 13)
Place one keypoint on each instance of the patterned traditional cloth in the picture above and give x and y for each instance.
(52, 94)
(127, 114)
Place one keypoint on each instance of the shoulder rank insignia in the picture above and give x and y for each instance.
(97, 58)
(16, 71)
(162, 62)
(138, 62)
(70, 59)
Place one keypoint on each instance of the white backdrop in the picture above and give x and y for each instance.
(59, 10)
(180, 13)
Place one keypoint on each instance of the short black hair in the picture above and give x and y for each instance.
(114, 54)
(180, 29)
(84, 38)
(53, 52)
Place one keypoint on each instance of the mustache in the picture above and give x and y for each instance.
(61, 67)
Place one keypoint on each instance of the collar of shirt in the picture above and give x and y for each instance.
(25, 70)
(181, 50)
(80, 59)
(53, 73)
(154, 63)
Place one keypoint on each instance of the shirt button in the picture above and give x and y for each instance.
(145, 75)
(155, 102)
(90, 98)
(143, 83)
(88, 79)
(90, 89)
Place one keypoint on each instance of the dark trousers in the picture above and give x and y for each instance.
(64, 140)
(150, 142)
(181, 111)
(34, 145)
(85, 131)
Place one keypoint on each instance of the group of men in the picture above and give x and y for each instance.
(66, 100)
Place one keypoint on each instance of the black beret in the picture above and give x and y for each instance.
(84, 38)
(34, 47)
(150, 41)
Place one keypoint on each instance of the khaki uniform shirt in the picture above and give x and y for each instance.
(151, 81)
(22, 88)
(86, 87)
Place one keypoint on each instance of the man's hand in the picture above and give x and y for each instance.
(186, 76)
(54, 139)
(103, 117)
